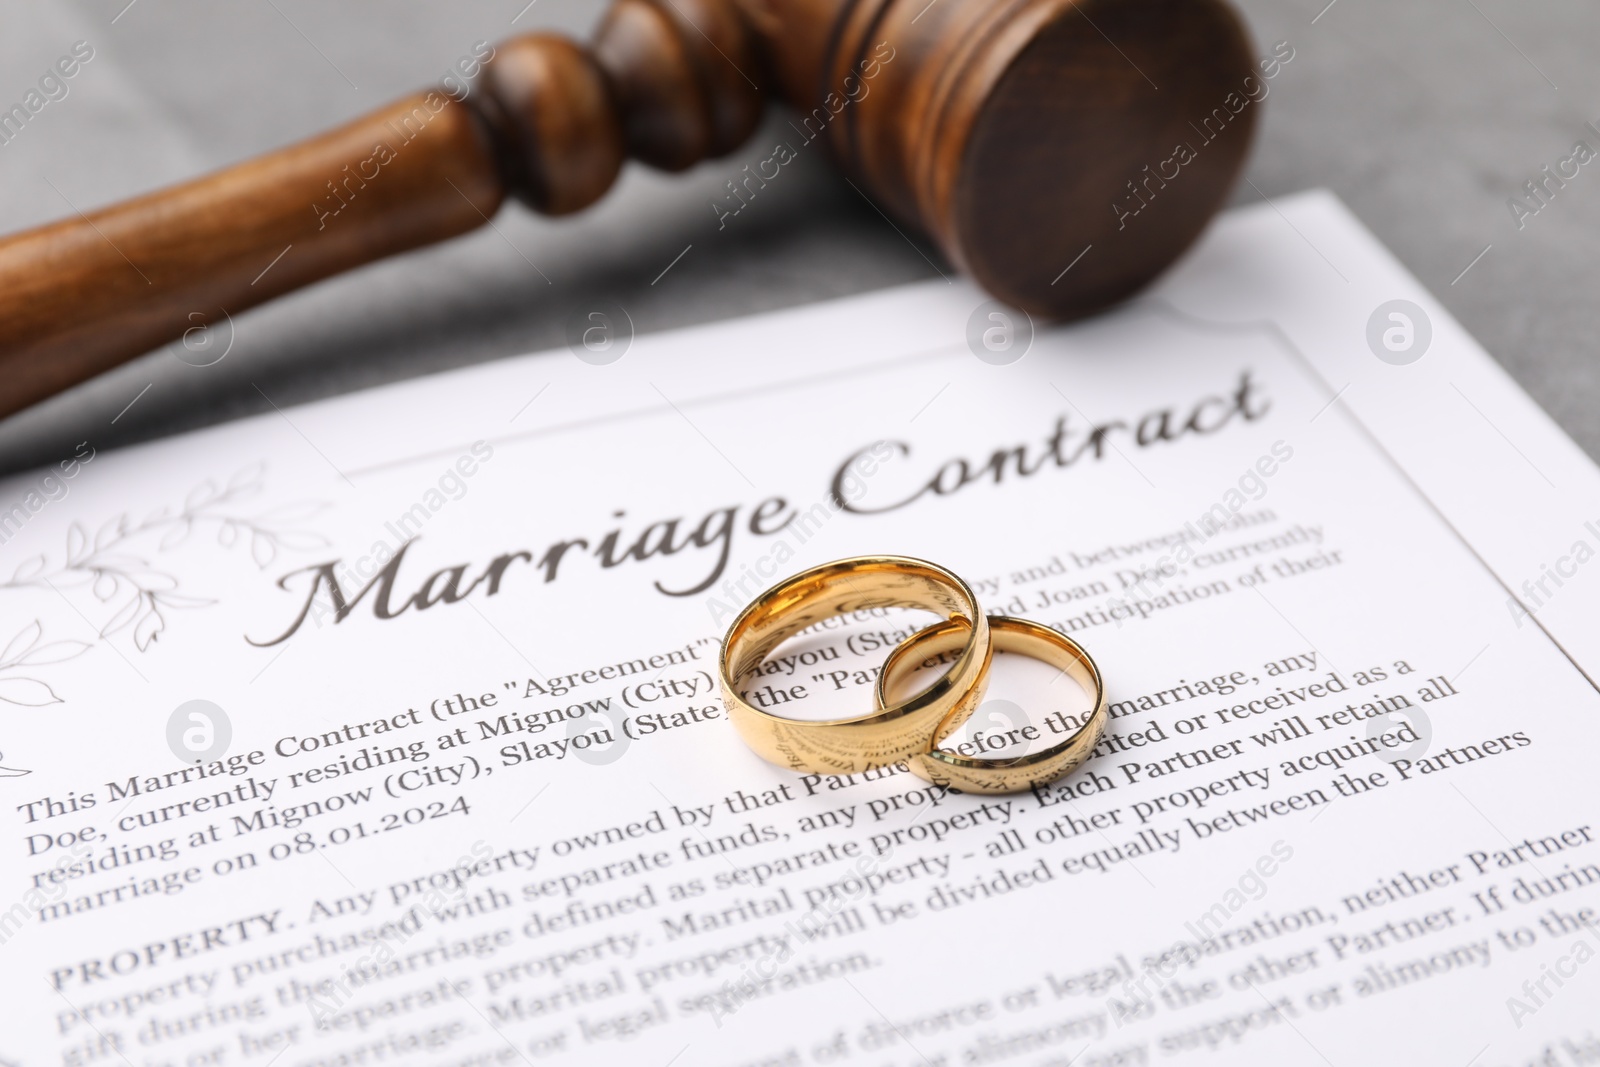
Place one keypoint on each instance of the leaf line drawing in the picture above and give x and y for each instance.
(142, 593)
(105, 562)
(24, 650)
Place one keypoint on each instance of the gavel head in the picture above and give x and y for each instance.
(1062, 152)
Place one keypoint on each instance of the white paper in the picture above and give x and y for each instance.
(456, 889)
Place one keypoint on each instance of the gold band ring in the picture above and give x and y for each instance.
(975, 774)
(879, 738)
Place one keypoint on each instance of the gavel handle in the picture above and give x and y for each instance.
(550, 121)
(82, 295)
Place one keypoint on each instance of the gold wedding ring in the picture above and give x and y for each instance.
(976, 774)
(894, 732)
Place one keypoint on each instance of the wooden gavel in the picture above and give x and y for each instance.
(1034, 140)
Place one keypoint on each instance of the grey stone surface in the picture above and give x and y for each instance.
(1424, 116)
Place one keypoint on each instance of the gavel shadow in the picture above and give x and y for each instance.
(673, 250)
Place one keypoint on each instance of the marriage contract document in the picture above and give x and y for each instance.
(386, 729)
